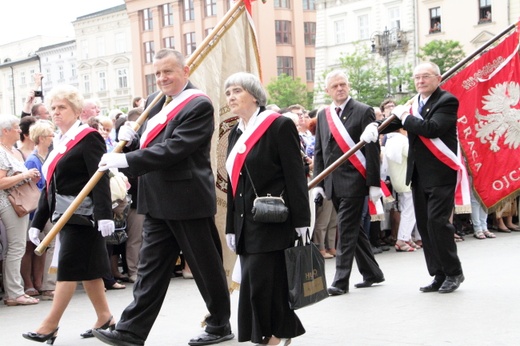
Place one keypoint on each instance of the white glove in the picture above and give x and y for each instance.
(34, 235)
(106, 227)
(301, 231)
(112, 160)
(126, 133)
(230, 241)
(401, 111)
(375, 193)
(318, 191)
(370, 134)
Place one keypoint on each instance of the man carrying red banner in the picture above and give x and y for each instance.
(433, 166)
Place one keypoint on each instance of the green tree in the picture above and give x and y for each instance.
(445, 53)
(286, 90)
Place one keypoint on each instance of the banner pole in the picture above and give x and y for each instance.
(232, 14)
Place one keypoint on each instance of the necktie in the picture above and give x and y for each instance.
(168, 100)
(421, 105)
(338, 111)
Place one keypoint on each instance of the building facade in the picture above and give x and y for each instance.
(286, 32)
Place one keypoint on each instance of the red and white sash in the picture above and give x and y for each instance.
(345, 143)
(455, 161)
(74, 136)
(254, 131)
(157, 123)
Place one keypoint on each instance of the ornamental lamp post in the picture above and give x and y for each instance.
(386, 42)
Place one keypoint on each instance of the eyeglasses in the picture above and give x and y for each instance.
(424, 76)
(49, 135)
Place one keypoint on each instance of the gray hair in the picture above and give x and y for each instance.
(167, 52)
(333, 74)
(68, 93)
(436, 69)
(7, 122)
(250, 83)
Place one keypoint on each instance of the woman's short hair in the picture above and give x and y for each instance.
(68, 93)
(40, 128)
(250, 83)
(25, 125)
(7, 122)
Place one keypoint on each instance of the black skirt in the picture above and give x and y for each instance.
(83, 254)
(263, 306)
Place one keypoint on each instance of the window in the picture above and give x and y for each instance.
(147, 19)
(283, 31)
(211, 8)
(309, 5)
(435, 20)
(363, 29)
(22, 78)
(229, 4)
(100, 43)
(61, 73)
(484, 11)
(120, 42)
(73, 70)
(394, 18)
(284, 64)
(86, 83)
(189, 10)
(207, 32)
(167, 12)
(309, 29)
(122, 78)
(151, 87)
(309, 69)
(169, 42)
(339, 31)
(149, 52)
(282, 4)
(189, 43)
(102, 79)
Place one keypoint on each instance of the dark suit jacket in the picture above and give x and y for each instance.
(176, 181)
(346, 179)
(275, 165)
(440, 121)
(72, 173)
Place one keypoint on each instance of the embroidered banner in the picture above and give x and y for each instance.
(488, 120)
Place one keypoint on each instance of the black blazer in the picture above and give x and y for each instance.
(72, 173)
(346, 179)
(440, 121)
(176, 181)
(275, 165)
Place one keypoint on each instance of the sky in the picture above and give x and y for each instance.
(21, 19)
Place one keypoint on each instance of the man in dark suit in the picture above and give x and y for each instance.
(348, 185)
(434, 116)
(176, 193)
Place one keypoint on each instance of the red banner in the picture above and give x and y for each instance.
(489, 120)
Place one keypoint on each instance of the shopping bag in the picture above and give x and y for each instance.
(305, 274)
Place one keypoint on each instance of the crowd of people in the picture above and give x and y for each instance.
(274, 151)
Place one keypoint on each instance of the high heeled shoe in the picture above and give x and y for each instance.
(50, 338)
(107, 325)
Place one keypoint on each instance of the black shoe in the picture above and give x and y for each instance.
(210, 339)
(368, 283)
(451, 283)
(50, 338)
(117, 338)
(376, 250)
(107, 325)
(433, 287)
(334, 291)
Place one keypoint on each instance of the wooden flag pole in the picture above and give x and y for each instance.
(227, 20)
(343, 158)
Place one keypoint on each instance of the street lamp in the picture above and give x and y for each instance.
(385, 43)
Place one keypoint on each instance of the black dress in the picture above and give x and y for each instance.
(82, 254)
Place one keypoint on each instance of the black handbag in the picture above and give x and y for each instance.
(305, 274)
(268, 209)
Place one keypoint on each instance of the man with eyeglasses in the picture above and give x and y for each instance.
(431, 123)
